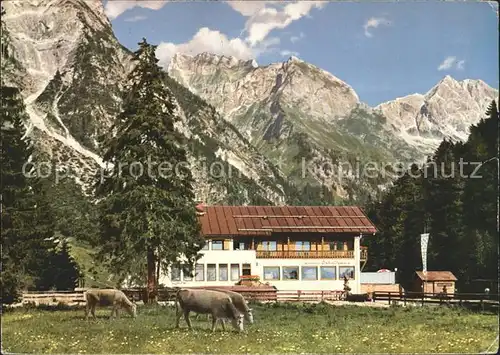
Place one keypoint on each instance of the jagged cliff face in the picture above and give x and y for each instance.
(272, 125)
(304, 119)
(234, 85)
(294, 111)
(72, 72)
(445, 111)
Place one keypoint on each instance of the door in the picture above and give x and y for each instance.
(246, 270)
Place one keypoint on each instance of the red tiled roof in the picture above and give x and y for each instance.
(436, 276)
(263, 220)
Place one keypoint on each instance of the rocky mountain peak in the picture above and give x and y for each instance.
(205, 59)
(448, 109)
(72, 73)
(45, 34)
(232, 85)
(293, 59)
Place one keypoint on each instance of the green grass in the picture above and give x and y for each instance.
(287, 328)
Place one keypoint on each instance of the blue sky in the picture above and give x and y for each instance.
(383, 50)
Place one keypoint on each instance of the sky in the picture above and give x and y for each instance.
(383, 50)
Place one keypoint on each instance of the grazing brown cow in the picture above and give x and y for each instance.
(218, 304)
(106, 298)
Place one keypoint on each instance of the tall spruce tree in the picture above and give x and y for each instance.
(27, 226)
(444, 188)
(480, 197)
(458, 210)
(147, 215)
(59, 271)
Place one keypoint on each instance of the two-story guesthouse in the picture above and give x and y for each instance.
(291, 247)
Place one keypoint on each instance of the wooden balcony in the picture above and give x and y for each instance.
(313, 254)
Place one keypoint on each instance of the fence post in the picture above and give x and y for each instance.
(389, 298)
(322, 295)
(298, 294)
(404, 299)
(423, 295)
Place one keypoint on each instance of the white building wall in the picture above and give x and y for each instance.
(241, 257)
(311, 285)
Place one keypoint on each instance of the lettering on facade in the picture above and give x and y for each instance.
(330, 262)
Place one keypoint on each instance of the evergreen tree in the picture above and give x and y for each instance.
(60, 271)
(480, 196)
(444, 187)
(150, 216)
(26, 223)
(399, 217)
(458, 211)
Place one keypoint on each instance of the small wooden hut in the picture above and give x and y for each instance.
(435, 281)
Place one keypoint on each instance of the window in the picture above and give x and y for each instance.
(235, 272)
(333, 245)
(246, 269)
(241, 246)
(223, 272)
(290, 272)
(211, 272)
(187, 275)
(217, 245)
(328, 272)
(303, 245)
(439, 284)
(309, 273)
(346, 271)
(200, 272)
(269, 246)
(175, 272)
(271, 272)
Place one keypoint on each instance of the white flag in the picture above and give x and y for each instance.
(424, 240)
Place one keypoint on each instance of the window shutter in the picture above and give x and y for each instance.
(226, 244)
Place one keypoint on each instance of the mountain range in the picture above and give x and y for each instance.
(276, 130)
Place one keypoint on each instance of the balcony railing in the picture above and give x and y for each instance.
(313, 254)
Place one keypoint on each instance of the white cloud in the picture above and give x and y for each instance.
(287, 53)
(135, 18)
(262, 19)
(294, 39)
(115, 8)
(267, 19)
(207, 40)
(247, 8)
(450, 62)
(375, 22)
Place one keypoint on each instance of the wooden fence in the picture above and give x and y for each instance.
(137, 294)
(51, 297)
(308, 296)
(270, 294)
(470, 300)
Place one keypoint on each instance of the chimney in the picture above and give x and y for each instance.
(200, 208)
